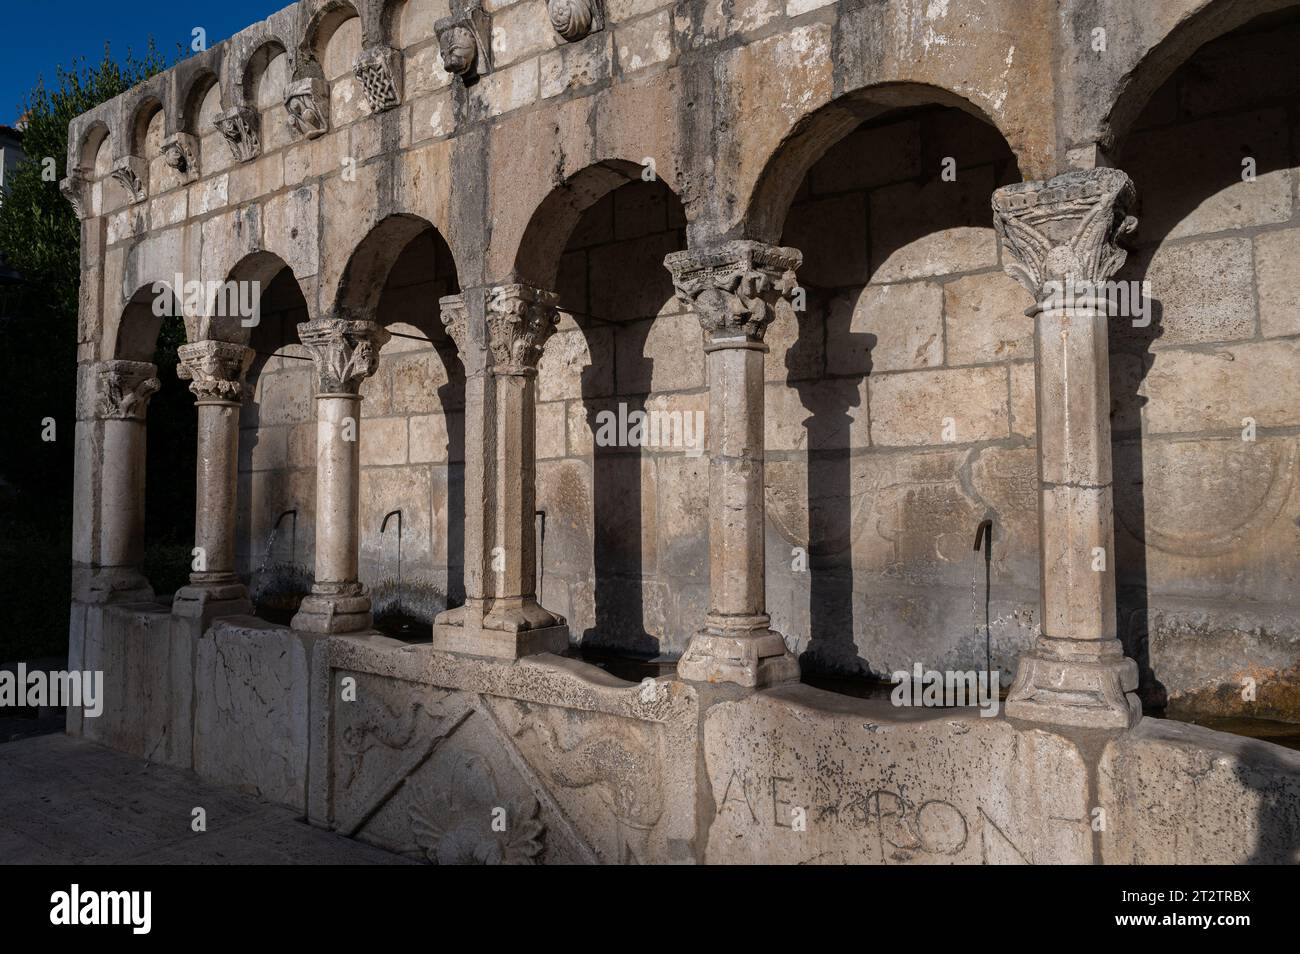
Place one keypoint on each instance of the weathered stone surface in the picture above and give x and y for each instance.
(252, 693)
(960, 406)
(876, 786)
(1237, 801)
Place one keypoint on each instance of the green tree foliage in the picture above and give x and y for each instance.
(41, 239)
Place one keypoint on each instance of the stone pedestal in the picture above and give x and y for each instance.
(501, 616)
(108, 531)
(345, 352)
(215, 370)
(1062, 237)
(734, 289)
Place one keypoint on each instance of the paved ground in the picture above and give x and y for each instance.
(68, 801)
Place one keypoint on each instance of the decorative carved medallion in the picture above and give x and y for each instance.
(454, 319)
(73, 188)
(346, 352)
(455, 824)
(734, 287)
(215, 369)
(125, 388)
(308, 105)
(181, 152)
(380, 71)
(239, 127)
(1066, 228)
(519, 318)
(132, 173)
(463, 42)
(575, 19)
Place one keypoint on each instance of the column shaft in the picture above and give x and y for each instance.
(215, 370)
(734, 289)
(345, 352)
(1061, 238)
(501, 617)
(338, 483)
(108, 532)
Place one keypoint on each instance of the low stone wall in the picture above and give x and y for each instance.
(421, 752)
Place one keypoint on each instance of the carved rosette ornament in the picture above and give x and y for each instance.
(379, 69)
(345, 351)
(575, 19)
(1066, 229)
(181, 152)
(73, 188)
(463, 43)
(519, 318)
(239, 127)
(308, 106)
(215, 369)
(734, 287)
(125, 388)
(132, 173)
(454, 319)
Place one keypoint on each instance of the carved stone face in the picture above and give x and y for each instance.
(571, 18)
(458, 49)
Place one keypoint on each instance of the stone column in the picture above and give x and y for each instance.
(345, 352)
(215, 370)
(1061, 241)
(735, 288)
(501, 616)
(108, 535)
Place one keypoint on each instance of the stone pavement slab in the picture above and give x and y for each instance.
(68, 801)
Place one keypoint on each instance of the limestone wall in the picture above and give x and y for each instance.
(754, 115)
(1207, 399)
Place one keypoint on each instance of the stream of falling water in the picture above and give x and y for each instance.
(266, 558)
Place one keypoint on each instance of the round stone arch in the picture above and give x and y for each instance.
(1212, 19)
(624, 541)
(818, 131)
(320, 28)
(890, 429)
(412, 421)
(190, 101)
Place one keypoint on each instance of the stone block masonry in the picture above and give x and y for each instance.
(829, 233)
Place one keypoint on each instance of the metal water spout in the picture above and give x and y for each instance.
(984, 535)
(384, 527)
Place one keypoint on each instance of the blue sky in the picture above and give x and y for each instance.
(37, 35)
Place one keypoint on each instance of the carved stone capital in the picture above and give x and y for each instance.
(734, 287)
(132, 172)
(124, 390)
(1067, 228)
(519, 319)
(308, 104)
(215, 369)
(73, 188)
(454, 319)
(345, 352)
(464, 43)
(575, 19)
(239, 127)
(379, 70)
(181, 152)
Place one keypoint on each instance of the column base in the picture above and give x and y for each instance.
(754, 658)
(111, 585)
(326, 613)
(511, 631)
(210, 600)
(1086, 683)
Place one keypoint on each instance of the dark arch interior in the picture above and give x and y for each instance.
(172, 442)
(870, 513)
(604, 563)
(1205, 237)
